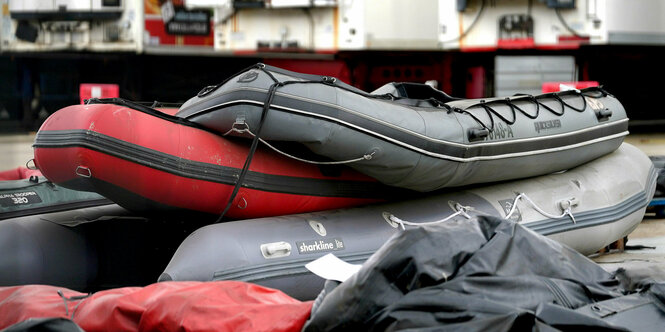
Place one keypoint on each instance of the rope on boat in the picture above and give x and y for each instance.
(255, 141)
(340, 162)
(566, 212)
(461, 210)
(485, 105)
(266, 108)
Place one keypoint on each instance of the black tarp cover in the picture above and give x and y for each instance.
(481, 274)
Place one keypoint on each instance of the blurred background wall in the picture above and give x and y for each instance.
(167, 50)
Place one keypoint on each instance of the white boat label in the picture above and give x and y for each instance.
(21, 198)
(315, 246)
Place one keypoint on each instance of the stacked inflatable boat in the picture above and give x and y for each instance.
(149, 161)
(411, 135)
(299, 166)
(579, 208)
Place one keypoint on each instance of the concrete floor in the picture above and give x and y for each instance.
(650, 235)
(16, 150)
(651, 232)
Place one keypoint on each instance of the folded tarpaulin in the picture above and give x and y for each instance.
(166, 306)
(483, 274)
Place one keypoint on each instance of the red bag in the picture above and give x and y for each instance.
(166, 306)
(34, 301)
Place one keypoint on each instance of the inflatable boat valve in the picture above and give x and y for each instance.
(477, 134)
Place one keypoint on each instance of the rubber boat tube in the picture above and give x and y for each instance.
(410, 135)
(152, 162)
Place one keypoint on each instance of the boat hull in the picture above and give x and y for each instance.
(273, 251)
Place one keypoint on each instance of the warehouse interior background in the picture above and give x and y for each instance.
(167, 50)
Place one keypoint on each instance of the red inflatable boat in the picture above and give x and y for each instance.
(150, 161)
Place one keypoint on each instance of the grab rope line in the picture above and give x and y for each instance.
(533, 99)
(485, 105)
(71, 299)
(566, 212)
(341, 162)
(510, 102)
(461, 210)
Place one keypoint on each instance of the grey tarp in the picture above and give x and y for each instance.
(483, 274)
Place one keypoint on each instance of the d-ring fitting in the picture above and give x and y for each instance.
(83, 171)
(242, 199)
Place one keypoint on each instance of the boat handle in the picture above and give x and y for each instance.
(567, 211)
(276, 249)
(83, 171)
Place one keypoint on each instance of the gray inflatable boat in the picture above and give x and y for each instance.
(47, 249)
(410, 135)
(586, 208)
(88, 248)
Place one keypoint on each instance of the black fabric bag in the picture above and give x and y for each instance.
(482, 274)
